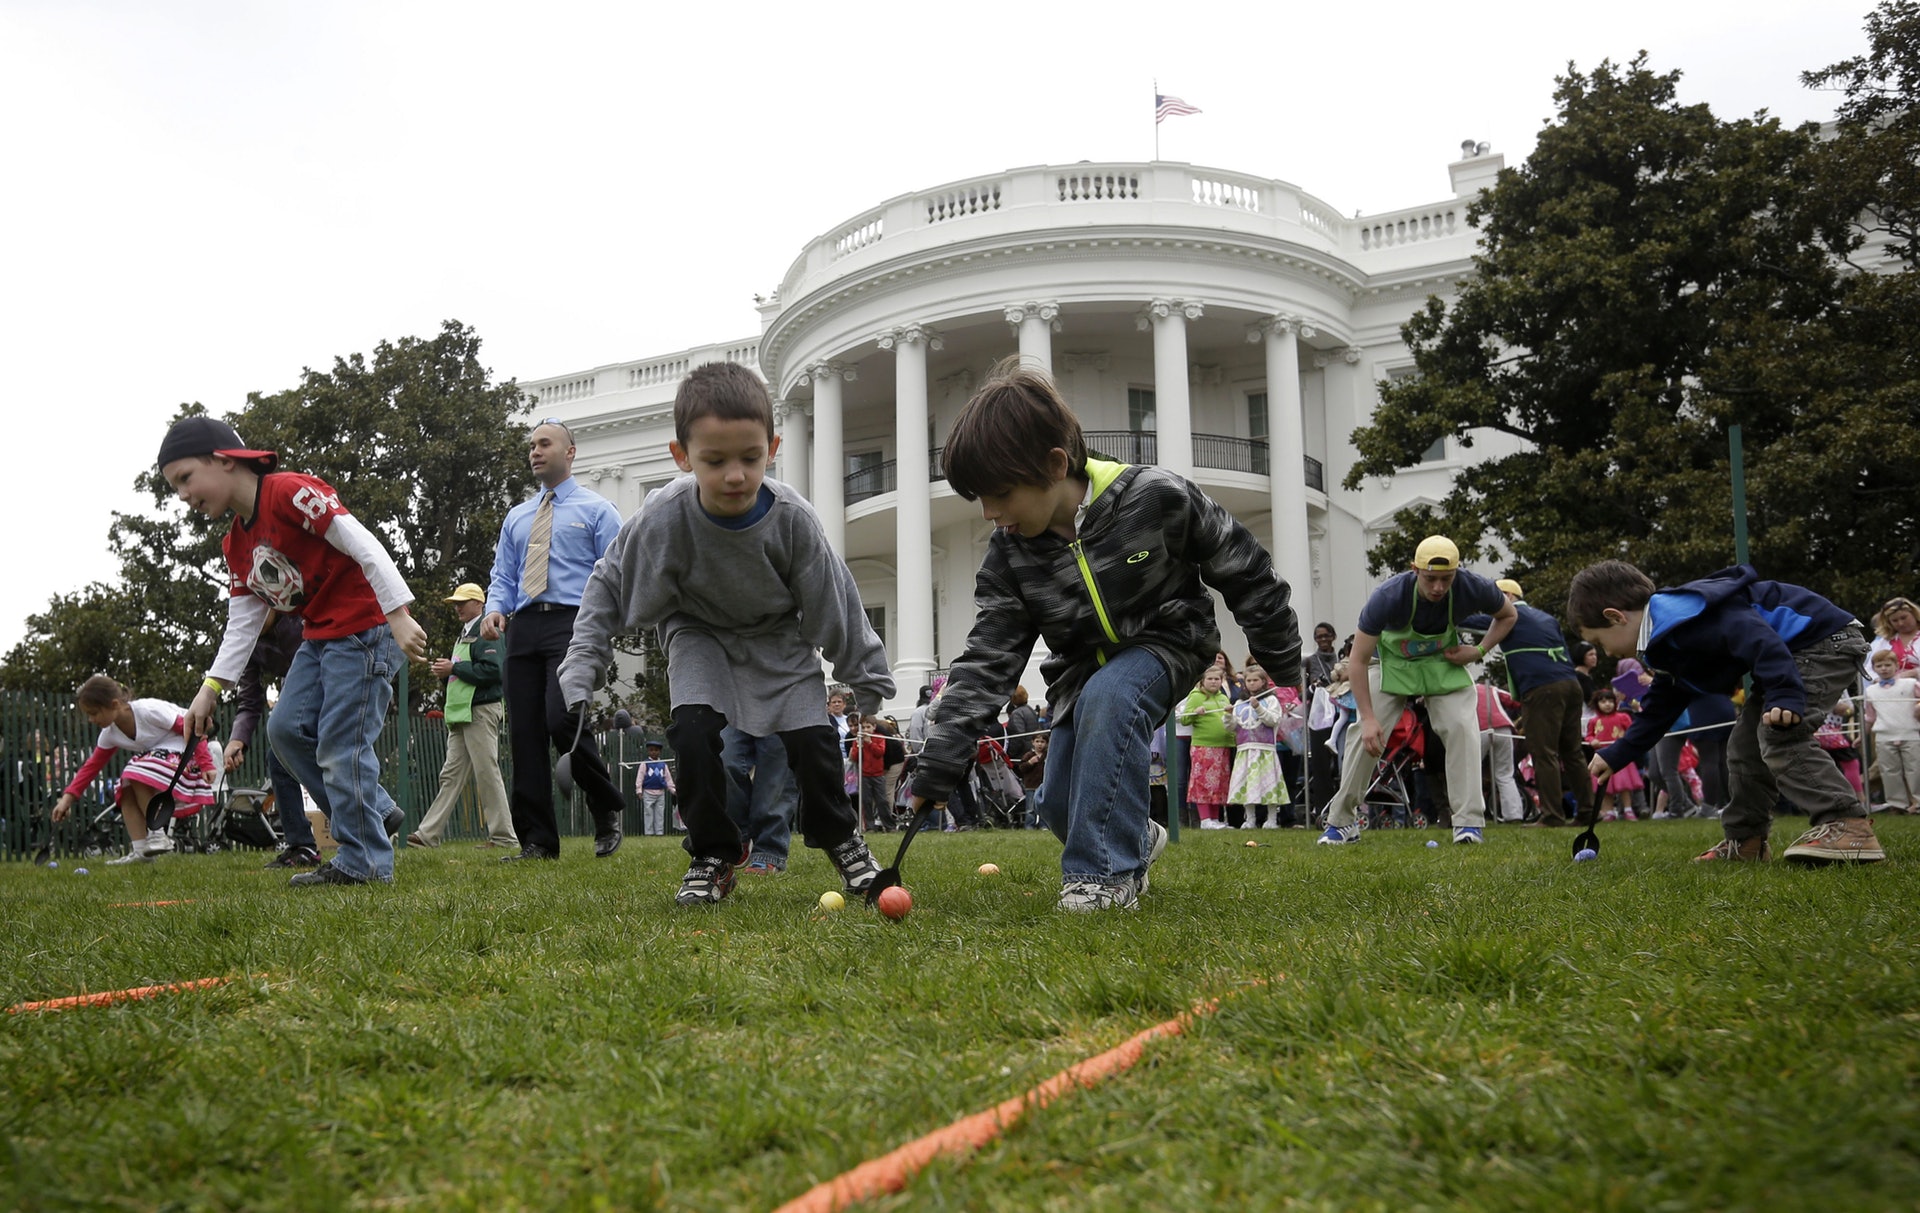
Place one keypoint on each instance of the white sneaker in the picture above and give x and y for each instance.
(1156, 843)
(158, 844)
(131, 857)
(1087, 896)
(1246, 823)
(1339, 836)
(1468, 834)
(1273, 822)
(1211, 824)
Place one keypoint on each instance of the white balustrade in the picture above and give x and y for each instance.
(1388, 231)
(660, 370)
(1319, 219)
(864, 232)
(967, 200)
(1226, 193)
(567, 389)
(1091, 185)
(1021, 199)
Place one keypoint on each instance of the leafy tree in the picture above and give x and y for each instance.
(1649, 277)
(424, 448)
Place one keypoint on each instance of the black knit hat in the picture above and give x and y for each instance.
(203, 435)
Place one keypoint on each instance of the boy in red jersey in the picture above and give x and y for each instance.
(294, 548)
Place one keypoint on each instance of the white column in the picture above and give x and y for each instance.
(1173, 407)
(1287, 457)
(829, 494)
(794, 464)
(1343, 589)
(913, 506)
(1036, 323)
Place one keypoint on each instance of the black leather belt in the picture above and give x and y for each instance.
(541, 608)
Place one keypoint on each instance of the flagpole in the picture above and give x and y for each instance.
(1156, 118)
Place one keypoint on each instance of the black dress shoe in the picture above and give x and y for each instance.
(607, 840)
(530, 851)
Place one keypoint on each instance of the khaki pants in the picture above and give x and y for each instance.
(1900, 773)
(1456, 717)
(473, 749)
(1765, 763)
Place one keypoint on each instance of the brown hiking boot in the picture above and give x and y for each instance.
(1749, 850)
(1843, 840)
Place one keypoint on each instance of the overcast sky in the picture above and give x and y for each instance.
(204, 198)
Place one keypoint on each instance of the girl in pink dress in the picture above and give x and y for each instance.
(155, 731)
(1210, 713)
(1610, 724)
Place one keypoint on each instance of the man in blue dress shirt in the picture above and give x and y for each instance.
(548, 546)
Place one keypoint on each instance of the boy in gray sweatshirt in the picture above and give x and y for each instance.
(735, 572)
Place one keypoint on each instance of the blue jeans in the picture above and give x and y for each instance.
(295, 829)
(761, 795)
(1094, 797)
(333, 703)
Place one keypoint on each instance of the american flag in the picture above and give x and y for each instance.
(1165, 106)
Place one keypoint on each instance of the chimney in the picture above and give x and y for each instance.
(1476, 169)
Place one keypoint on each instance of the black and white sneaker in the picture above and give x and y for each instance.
(296, 857)
(326, 874)
(856, 864)
(708, 880)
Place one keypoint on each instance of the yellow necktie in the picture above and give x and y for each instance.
(533, 577)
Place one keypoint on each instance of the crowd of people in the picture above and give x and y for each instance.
(1110, 564)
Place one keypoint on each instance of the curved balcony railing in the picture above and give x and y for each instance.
(1073, 196)
(1218, 452)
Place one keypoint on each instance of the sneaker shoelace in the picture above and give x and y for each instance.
(1832, 830)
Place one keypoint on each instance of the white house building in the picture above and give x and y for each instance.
(1229, 327)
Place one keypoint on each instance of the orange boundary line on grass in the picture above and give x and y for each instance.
(891, 1172)
(105, 997)
(123, 905)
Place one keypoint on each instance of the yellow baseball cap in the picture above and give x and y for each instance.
(468, 592)
(1436, 553)
(1508, 585)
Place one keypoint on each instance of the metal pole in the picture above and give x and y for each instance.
(1176, 776)
(1737, 458)
(405, 798)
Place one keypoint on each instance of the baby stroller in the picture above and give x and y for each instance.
(90, 838)
(239, 818)
(996, 789)
(1388, 800)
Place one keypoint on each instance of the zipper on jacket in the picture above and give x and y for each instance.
(1093, 592)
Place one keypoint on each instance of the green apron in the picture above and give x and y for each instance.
(459, 705)
(1415, 663)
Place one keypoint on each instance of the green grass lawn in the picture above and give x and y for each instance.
(1405, 1027)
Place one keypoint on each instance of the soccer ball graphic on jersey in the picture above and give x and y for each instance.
(274, 578)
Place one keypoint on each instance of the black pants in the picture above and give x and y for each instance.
(538, 722)
(825, 815)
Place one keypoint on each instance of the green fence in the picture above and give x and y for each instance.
(44, 740)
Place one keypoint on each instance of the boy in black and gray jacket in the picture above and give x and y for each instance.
(1105, 562)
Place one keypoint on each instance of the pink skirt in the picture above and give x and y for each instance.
(1212, 771)
(1626, 779)
(155, 769)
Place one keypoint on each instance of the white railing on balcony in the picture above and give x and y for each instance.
(1240, 197)
(665, 370)
(658, 370)
(864, 232)
(1097, 184)
(568, 389)
(1075, 195)
(1409, 227)
(966, 200)
(1317, 218)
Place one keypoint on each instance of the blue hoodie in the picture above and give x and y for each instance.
(1535, 650)
(1702, 637)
